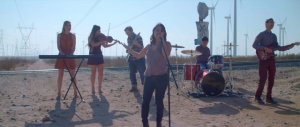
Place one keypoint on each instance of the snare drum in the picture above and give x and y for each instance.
(215, 62)
(190, 70)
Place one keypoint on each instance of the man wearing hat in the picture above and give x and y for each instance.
(261, 42)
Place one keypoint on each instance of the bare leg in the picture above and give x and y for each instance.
(75, 90)
(59, 81)
(100, 76)
(93, 76)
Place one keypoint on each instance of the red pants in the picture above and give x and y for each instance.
(265, 67)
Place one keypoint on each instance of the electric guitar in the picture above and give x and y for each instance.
(128, 54)
(263, 55)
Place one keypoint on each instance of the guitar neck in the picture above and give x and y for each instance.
(137, 36)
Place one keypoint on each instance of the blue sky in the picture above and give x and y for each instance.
(178, 16)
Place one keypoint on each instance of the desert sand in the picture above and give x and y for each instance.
(27, 99)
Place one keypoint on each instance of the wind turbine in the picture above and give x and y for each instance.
(82, 47)
(283, 33)
(280, 28)
(228, 21)
(235, 28)
(246, 43)
(212, 13)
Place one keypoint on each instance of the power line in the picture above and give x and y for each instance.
(91, 9)
(19, 13)
(139, 14)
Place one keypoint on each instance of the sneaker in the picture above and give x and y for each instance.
(271, 101)
(259, 100)
(133, 89)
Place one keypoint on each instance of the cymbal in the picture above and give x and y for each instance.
(230, 45)
(191, 52)
(177, 46)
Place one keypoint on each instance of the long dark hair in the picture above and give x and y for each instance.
(94, 30)
(92, 34)
(152, 38)
(63, 28)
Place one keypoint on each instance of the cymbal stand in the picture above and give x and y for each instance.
(176, 62)
(192, 70)
(230, 78)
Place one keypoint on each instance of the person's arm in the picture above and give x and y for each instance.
(208, 53)
(256, 45)
(106, 45)
(74, 44)
(281, 48)
(137, 55)
(58, 45)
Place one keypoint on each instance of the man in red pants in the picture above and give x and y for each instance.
(262, 41)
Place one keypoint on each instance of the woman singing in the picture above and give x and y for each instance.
(95, 49)
(66, 43)
(156, 77)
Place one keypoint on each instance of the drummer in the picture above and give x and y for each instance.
(202, 60)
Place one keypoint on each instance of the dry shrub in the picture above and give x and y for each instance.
(9, 64)
(288, 56)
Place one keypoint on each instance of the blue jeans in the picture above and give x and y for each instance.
(159, 84)
(134, 66)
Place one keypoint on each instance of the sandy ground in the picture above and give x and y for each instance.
(25, 99)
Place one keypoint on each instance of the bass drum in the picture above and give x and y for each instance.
(212, 84)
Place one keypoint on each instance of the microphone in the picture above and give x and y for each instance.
(160, 39)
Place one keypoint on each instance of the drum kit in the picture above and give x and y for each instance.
(207, 81)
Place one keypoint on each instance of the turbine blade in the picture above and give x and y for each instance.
(230, 23)
(216, 3)
(215, 22)
(278, 18)
(283, 21)
(214, 17)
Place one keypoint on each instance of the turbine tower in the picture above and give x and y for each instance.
(2, 53)
(212, 13)
(280, 28)
(228, 21)
(283, 33)
(234, 30)
(246, 43)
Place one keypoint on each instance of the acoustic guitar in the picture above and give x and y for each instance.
(263, 55)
